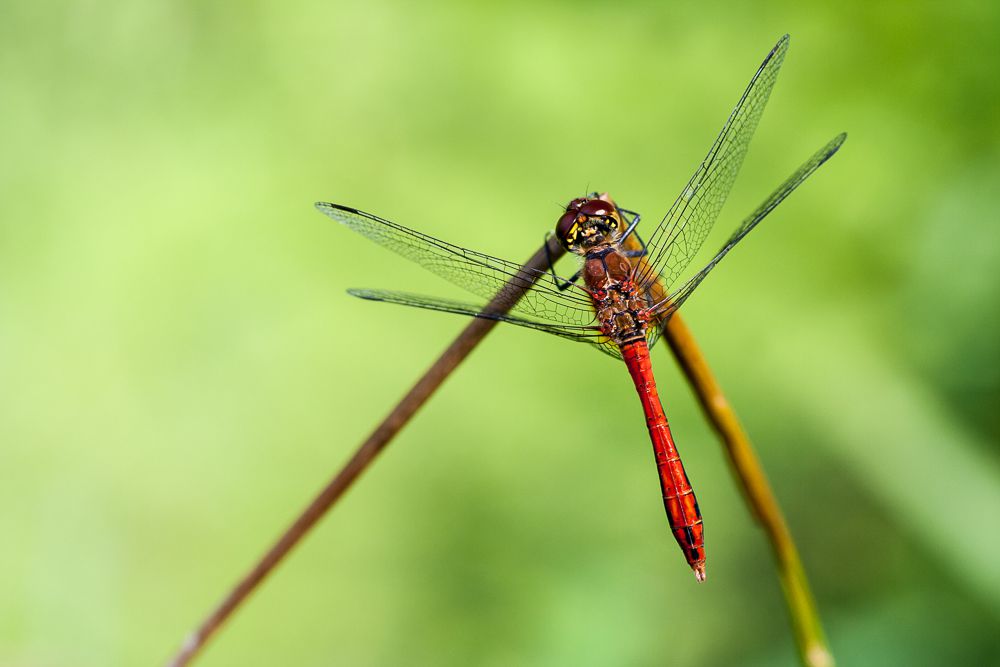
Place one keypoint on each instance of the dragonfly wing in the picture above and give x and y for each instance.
(681, 233)
(582, 334)
(483, 275)
(674, 301)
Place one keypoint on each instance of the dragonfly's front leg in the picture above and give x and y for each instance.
(561, 286)
(641, 252)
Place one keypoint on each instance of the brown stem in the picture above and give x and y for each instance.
(376, 442)
(746, 467)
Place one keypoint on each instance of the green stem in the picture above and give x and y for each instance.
(813, 650)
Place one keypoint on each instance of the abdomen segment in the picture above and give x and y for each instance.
(678, 496)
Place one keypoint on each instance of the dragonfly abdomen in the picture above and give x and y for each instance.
(678, 496)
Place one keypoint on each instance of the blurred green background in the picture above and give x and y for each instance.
(181, 369)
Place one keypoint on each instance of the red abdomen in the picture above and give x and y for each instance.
(678, 496)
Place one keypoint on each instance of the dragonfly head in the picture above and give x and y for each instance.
(589, 222)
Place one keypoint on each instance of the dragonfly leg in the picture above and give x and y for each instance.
(641, 251)
(631, 230)
(561, 286)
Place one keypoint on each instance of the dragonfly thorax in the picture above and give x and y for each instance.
(621, 313)
(589, 222)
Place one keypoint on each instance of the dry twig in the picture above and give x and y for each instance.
(453, 355)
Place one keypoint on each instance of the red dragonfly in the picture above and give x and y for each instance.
(622, 301)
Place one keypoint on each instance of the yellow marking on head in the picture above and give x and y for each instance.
(572, 233)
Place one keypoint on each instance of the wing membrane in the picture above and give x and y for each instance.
(580, 334)
(665, 309)
(683, 230)
(483, 275)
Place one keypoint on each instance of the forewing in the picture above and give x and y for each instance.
(682, 231)
(485, 276)
(665, 309)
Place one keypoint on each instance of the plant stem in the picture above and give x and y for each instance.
(453, 355)
(743, 461)
(757, 492)
(746, 467)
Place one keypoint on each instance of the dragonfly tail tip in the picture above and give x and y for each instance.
(699, 572)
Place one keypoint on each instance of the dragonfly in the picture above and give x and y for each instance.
(620, 298)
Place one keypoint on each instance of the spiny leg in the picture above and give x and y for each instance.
(631, 230)
(561, 286)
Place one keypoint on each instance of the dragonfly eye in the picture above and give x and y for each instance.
(595, 208)
(568, 228)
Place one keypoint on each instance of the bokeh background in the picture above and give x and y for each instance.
(181, 369)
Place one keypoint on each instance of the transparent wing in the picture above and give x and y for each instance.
(679, 236)
(483, 275)
(669, 305)
(580, 334)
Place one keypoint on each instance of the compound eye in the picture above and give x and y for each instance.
(596, 208)
(565, 226)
